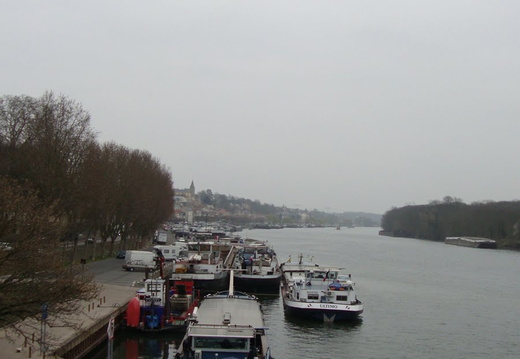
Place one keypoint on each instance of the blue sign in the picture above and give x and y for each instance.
(45, 313)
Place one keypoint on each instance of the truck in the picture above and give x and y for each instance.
(171, 252)
(140, 260)
(162, 238)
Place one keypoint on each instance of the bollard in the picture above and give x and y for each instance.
(30, 351)
(104, 299)
(25, 342)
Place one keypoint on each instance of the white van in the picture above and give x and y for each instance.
(162, 238)
(140, 260)
(171, 252)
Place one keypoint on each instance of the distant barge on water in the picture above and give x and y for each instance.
(474, 242)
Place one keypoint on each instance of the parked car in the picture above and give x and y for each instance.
(5, 246)
(121, 255)
(140, 260)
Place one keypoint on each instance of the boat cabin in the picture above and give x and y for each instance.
(201, 258)
(220, 339)
(320, 285)
(152, 294)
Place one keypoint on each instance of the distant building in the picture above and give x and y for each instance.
(185, 202)
(188, 193)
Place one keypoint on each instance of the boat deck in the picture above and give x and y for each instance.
(217, 311)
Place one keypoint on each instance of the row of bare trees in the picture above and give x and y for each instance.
(57, 184)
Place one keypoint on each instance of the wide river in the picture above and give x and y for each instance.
(422, 299)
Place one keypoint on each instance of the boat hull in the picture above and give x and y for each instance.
(205, 283)
(211, 285)
(154, 321)
(326, 312)
(267, 285)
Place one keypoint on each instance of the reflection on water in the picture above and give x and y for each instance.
(129, 344)
(318, 328)
(314, 339)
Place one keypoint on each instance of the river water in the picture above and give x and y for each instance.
(422, 299)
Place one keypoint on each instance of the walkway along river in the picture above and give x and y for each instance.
(422, 300)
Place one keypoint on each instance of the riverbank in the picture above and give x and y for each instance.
(93, 320)
(501, 243)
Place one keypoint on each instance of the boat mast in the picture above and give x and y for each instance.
(231, 284)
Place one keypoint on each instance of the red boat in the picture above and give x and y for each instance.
(162, 305)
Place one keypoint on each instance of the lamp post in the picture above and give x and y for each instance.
(43, 344)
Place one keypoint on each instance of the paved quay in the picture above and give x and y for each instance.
(112, 300)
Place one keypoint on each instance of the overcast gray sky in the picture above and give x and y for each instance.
(327, 105)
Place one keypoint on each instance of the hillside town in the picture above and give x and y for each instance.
(205, 206)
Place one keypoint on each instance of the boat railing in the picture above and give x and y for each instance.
(232, 326)
(179, 300)
(230, 258)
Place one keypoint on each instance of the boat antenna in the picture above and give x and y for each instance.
(231, 284)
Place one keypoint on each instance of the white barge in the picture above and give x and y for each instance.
(319, 292)
(474, 242)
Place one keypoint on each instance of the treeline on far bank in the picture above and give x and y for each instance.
(451, 217)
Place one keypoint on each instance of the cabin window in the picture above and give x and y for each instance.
(313, 296)
(231, 344)
(341, 297)
(154, 287)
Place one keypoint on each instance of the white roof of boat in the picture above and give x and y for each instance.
(242, 312)
(221, 331)
(287, 267)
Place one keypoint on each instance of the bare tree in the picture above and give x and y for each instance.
(33, 270)
(127, 193)
(46, 140)
(153, 198)
(16, 112)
